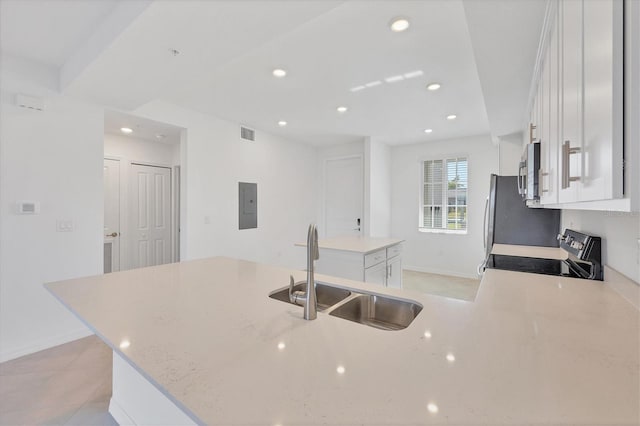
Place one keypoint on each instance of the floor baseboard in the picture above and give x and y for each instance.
(44, 344)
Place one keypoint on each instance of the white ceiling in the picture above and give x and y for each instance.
(228, 49)
(49, 31)
(143, 128)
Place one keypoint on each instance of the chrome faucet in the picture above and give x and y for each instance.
(308, 297)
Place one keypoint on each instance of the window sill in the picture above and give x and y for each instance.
(443, 231)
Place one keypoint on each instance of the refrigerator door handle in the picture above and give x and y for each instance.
(521, 189)
(485, 224)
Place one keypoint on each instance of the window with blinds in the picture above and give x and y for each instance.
(444, 195)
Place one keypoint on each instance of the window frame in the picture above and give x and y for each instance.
(445, 205)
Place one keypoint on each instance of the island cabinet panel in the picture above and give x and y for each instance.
(381, 267)
(135, 401)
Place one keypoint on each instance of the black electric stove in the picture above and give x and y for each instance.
(583, 261)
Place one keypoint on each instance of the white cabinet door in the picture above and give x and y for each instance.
(571, 28)
(549, 175)
(376, 274)
(601, 150)
(394, 272)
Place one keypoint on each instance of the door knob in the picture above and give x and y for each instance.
(113, 234)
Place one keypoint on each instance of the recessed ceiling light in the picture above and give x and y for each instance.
(160, 136)
(428, 130)
(451, 117)
(433, 86)
(342, 109)
(433, 408)
(340, 369)
(282, 123)
(399, 24)
(357, 88)
(451, 357)
(279, 72)
(126, 130)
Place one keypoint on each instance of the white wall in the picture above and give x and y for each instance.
(134, 149)
(215, 160)
(441, 253)
(55, 158)
(377, 189)
(510, 152)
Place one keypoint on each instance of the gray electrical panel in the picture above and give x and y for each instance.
(248, 211)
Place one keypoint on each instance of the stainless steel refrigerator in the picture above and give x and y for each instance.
(507, 219)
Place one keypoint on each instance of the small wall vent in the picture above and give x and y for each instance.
(247, 133)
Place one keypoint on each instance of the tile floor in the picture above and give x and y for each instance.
(71, 384)
(441, 285)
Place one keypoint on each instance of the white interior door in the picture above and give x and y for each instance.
(111, 215)
(343, 196)
(150, 215)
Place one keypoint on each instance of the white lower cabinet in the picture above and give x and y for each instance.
(381, 267)
(376, 274)
(394, 273)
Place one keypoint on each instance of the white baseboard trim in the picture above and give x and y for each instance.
(49, 342)
(441, 272)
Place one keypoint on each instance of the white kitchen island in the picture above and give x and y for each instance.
(369, 259)
(205, 337)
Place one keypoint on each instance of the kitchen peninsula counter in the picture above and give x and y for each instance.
(530, 349)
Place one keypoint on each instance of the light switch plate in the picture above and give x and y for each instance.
(64, 225)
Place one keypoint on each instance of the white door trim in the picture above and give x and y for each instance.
(323, 191)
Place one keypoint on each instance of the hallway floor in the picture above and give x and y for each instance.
(440, 285)
(69, 384)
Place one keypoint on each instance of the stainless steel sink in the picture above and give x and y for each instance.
(381, 312)
(327, 295)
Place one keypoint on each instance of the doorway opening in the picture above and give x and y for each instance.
(142, 168)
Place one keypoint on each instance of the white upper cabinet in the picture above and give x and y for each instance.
(550, 140)
(602, 122)
(570, 15)
(577, 108)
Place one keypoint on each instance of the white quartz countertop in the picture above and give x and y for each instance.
(357, 244)
(529, 251)
(531, 349)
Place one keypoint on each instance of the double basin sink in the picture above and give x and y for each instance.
(374, 310)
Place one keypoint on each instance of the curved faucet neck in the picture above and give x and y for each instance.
(313, 253)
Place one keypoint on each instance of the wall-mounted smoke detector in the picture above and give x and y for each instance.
(247, 134)
(30, 102)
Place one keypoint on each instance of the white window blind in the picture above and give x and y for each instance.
(444, 195)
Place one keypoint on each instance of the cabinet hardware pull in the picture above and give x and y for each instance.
(541, 175)
(113, 234)
(532, 127)
(567, 151)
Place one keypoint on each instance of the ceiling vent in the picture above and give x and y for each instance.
(247, 134)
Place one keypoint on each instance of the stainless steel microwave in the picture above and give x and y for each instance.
(528, 172)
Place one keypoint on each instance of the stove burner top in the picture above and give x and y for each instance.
(535, 265)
